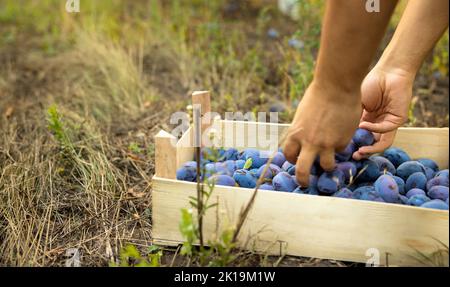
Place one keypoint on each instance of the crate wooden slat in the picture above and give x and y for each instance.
(305, 225)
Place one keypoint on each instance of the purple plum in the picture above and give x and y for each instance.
(330, 182)
(418, 200)
(363, 137)
(440, 180)
(383, 164)
(348, 169)
(396, 156)
(416, 180)
(283, 181)
(414, 191)
(435, 204)
(429, 163)
(271, 171)
(438, 192)
(344, 193)
(245, 178)
(409, 167)
(222, 179)
(387, 188)
(278, 159)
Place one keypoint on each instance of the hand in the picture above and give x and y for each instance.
(386, 95)
(324, 123)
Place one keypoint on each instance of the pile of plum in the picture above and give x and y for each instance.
(392, 177)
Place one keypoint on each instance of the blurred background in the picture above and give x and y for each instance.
(82, 94)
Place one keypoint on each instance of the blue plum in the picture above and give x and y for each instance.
(403, 199)
(416, 180)
(429, 173)
(231, 154)
(371, 195)
(438, 192)
(272, 170)
(209, 169)
(396, 156)
(254, 171)
(400, 183)
(387, 188)
(222, 179)
(312, 190)
(383, 164)
(344, 193)
(440, 180)
(241, 155)
(409, 167)
(316, 169)
(226, 167)
(313, 180)
(357, 193)
(435, 204)
(266, 186)
(330, 182)
(369, 171)
(278, 159)
(258, 157)
(288, 167)
(299, 190)
(283, 181)
(363, 137)
(357, 163)
(348, 169)
(347, 153)
(245, 178)
(443, 173)
(418, 200)
(415, 191)
(187, 172)
(239, 164)
(429, 163)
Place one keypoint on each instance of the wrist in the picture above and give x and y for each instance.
(392, 68)
(397, 63)
(334, 93)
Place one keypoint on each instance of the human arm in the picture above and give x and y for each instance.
(387, 89)
(329, 112)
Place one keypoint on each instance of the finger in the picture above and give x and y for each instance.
(291, 150)
(357, 155)
(327, 161)
(382, 127)
(304, 163)
(367, 116)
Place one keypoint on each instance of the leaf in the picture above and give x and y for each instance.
(248, 163)
(153, 248)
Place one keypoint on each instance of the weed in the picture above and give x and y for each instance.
(131, 257)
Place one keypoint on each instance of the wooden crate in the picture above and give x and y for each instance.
(300, 224)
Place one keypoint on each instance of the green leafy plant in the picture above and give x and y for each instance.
(134, 148)
(56, 127)
(131, 257)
